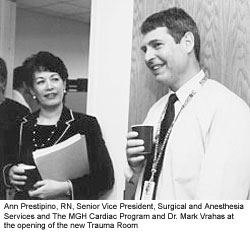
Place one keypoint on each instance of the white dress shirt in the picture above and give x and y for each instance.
(208, 151)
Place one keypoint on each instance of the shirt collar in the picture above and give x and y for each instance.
(193, 84)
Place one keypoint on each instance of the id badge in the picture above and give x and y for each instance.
(148, 190)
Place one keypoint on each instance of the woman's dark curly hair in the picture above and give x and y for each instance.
(44, 61)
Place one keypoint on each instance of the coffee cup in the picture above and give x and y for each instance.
(145, 132)
(31, 173)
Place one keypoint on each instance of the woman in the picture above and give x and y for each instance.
(54, 123)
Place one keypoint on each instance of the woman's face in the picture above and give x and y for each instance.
(48, 87)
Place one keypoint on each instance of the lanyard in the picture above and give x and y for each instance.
(158, 152)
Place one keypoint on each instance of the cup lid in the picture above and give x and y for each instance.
(141, 125)
(27, 167)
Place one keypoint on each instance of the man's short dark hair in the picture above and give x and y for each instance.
(178, 22)
(20, 75)
(45, 61)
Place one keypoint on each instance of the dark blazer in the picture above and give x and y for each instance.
(10, 112)
(101, 177)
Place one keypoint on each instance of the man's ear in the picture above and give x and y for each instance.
(188, 41)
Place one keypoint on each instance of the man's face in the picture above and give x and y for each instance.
(166, 59)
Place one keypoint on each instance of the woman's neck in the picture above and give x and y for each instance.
(49, 116)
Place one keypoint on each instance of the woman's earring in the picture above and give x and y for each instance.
(34, 97)
(64, 91)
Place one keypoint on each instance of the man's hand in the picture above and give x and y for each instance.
(134, 149)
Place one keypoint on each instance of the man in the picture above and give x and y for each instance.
(203, 152)
(10, 111)
(21, 92)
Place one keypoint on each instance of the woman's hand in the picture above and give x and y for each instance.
(17, 176)
(49, 189)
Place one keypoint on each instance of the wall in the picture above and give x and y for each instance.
(65, 38)
(109, 78)
(225, 48)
